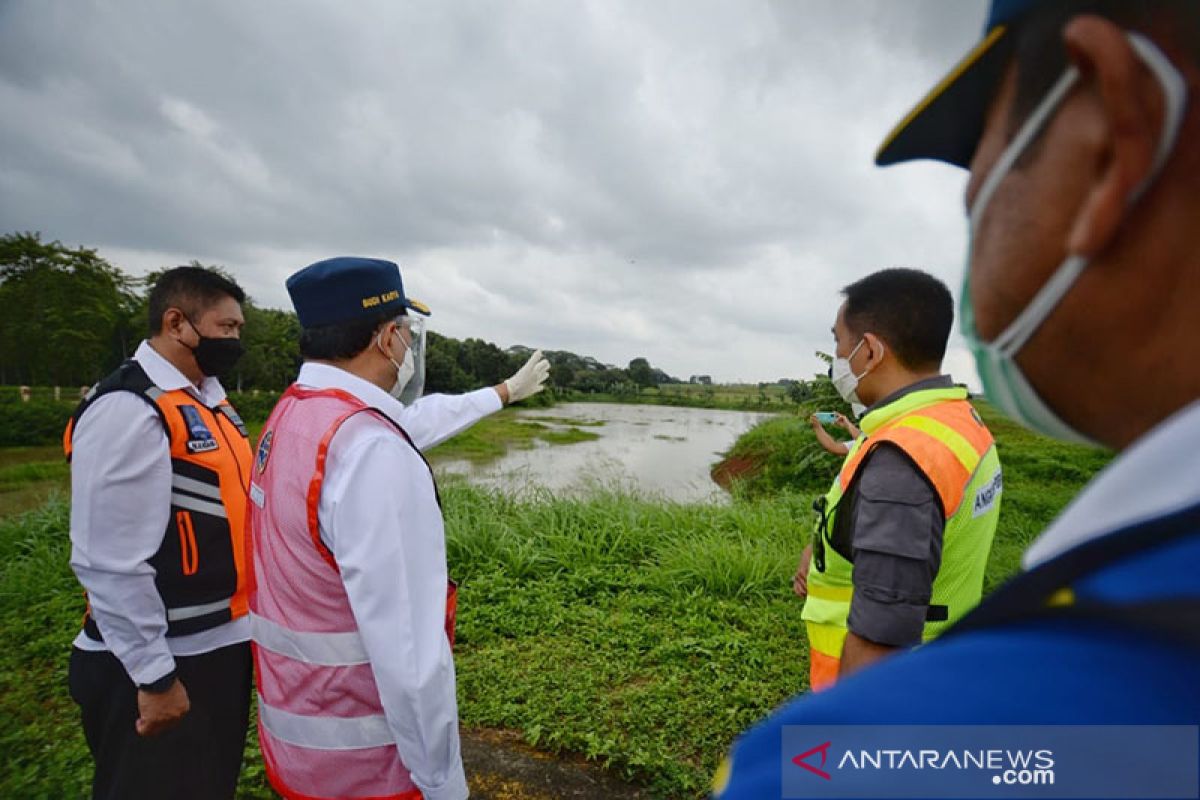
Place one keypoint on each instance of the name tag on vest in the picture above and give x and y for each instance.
(987, 495)
(257, 495)
(200, 438)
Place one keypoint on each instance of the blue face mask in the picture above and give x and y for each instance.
(1003, 382)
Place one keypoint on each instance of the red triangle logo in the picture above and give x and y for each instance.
(801, 760)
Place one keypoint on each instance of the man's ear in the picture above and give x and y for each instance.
(384, 336)
(877, 347)
(173, 321)
(1127, 107)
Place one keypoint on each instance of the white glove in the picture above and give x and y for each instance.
(530, 379)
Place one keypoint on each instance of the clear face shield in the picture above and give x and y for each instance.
(413, 329)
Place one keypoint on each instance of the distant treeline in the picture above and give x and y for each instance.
(69, 316)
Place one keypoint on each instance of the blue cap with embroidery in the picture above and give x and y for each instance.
(948, 123)
(347, 288)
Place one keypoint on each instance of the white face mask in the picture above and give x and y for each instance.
(844, 379)
(1003, 382)
(404, 370)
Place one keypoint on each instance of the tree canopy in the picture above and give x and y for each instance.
(70, 317)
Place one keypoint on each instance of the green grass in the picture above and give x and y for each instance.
(40, 609)
(29, 476)
(786, 457)
(593, 626)
(13, 456)
(495, 435)
(642, 634)
(33, 472)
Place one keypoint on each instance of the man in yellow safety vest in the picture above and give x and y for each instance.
(904, 533)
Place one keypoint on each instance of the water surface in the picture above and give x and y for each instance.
(656, 450)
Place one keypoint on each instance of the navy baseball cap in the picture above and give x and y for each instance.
(948, 123)
(346, 288)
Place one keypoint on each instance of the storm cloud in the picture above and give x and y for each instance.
(685, 181)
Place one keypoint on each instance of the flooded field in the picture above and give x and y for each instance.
(657, 450)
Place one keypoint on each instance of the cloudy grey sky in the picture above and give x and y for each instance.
(687, 181)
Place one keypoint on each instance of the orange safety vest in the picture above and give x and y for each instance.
(945, 440)
(948, 442)
(200, 566)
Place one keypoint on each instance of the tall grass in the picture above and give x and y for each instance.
(40, 608)
(641, 633)
(728, 551)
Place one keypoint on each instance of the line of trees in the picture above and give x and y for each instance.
(69, 317)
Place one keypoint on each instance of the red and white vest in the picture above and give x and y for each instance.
(321, 723)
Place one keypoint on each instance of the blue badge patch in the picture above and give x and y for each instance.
(200, 438)
(264, 451)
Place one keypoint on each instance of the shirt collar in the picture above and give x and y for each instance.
(1153, 478)
(936, 382)
(167, 376)
(327, 376)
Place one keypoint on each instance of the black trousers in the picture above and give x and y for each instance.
(199, 758)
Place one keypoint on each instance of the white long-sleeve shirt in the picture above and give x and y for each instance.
(379, 517)
(434, 418)
(120, 505)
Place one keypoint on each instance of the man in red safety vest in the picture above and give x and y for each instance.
(352, 611)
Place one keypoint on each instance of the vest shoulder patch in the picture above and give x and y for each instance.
(987, 495)
(200, 438)
(235, 418)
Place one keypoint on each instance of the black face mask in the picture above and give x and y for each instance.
(216, 356)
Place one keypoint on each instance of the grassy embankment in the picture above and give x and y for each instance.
(730, 397)
(639, 633)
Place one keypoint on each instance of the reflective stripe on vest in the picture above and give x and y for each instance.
(203, 506)
(325, 733)
(838, 594)
(938, 438)
(943, 435)
(191, 612)
(343, 649)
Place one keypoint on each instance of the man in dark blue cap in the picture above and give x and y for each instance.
(352, 611)
(325, 292)
(1080, 124)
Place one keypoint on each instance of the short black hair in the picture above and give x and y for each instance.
(911, 310)
(342, 340)
(192, 289)
(1041, 56)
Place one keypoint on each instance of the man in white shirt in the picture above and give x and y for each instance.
(352, 610)
(160, 465)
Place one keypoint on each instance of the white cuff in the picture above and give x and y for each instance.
(453, 788)
(148, 664)
(489, 400)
